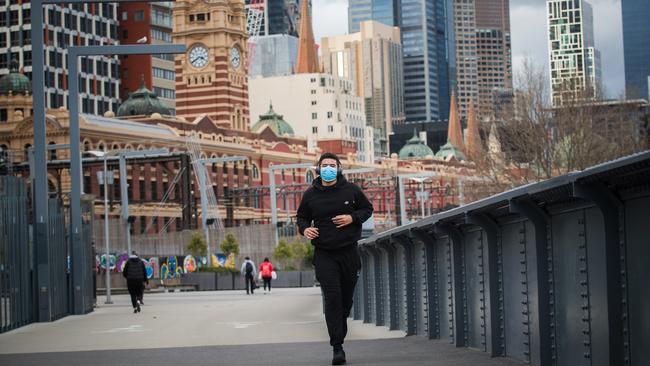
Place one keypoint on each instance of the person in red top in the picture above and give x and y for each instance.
(266, 270)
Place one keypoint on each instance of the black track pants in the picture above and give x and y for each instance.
(136, 287)
(337, 272)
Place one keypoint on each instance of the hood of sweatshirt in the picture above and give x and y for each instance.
(340, 182)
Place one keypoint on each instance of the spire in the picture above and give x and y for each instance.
(455, 131)
(307, 61)
(473, 145)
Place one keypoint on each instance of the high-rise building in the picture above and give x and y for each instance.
(372, 59)
(273, 55)
(382, 11)
(574, 62)
(636, 28)
(494, 55)
(211, 77)
(149, 23)
(280, 16)
(65, 26)
(466, 55)
(427, 49)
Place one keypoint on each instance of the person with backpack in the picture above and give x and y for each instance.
(135, 273)
(266, 270)
(249, 273)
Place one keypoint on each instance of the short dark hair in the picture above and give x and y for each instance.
(247, 258)
(266, 259)
(329, 155)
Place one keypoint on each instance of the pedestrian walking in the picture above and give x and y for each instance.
(248, 271)
(135, 273)
(266, 272)
(330, 215)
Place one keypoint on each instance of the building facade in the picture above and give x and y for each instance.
(149, 23)
(319, 107)
(636, 27)
(466, 55)
(574, 61)
(372, 59)
(273, 55)
(427, 47)
(279, 16)
(65, 26)
(211, 77)
(494, 56)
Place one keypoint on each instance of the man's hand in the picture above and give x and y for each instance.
(342, 220)
(311, 233)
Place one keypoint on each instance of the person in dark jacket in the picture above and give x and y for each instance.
(135, 273)
(330, 215)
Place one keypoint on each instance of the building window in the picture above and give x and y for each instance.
(313, 91)
(161, 36)
(314, 115)
(163, 74)
(164, 92)
(256, 172)
(138, 15)
(330, 128)
(313, 102)
(314, 129)
(329, 114)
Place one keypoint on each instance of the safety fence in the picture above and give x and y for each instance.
(553, 273)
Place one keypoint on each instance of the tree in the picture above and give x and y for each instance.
(536, 141)
(283, 253)
(197, 246)
(300, 251)
(230, 245)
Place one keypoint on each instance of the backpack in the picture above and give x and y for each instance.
(249, 268)
(266, 270)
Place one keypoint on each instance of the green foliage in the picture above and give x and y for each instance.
(217, 270)
(197, 246)
(230, 245)
(283, 253)
(303, 253)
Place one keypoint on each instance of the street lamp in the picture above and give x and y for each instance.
(415, 176)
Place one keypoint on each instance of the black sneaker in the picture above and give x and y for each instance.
(138, 309)
(339, 357)
(135, 310)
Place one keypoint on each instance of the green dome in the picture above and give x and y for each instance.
(448, 150)
(273, 120)
(415, 149)
(15, 82)
(142, 102)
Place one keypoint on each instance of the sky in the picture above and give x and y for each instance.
(528, 30)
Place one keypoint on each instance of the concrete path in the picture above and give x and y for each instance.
(220, 328)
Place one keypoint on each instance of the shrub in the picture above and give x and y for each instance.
(230, 245)
(197, 246)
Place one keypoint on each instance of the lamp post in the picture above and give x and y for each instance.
(415, 176)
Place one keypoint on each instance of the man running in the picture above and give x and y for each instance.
(330, 215)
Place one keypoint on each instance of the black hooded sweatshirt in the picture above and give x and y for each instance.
(134, 269)
(320, 204)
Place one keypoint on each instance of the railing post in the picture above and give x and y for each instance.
(432, 314)
(366, 287)
(379, 297)
(613, 253)
(494, 317)
(543, 264)
(458, 288)
(411, 307)
(393, 306)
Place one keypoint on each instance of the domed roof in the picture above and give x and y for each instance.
(273, 120)
(15, 82)
(142, 102)
(415, 149)
(448, 151)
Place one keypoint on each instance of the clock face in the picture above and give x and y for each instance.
(198, 56)
(235, 57)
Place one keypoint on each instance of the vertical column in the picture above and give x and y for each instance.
(542, 288)
(432, 311)
(494, 310)
(408, 270)
(458, 290)
(380, 297)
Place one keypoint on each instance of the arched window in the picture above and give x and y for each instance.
(256, 172)
(309, 176)
(52, 151)
(27, 147)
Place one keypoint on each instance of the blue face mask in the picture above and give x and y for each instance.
(328, 174)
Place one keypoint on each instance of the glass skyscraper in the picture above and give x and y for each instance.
(427, 44)
(636, 28)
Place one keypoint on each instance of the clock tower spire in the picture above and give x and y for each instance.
(211, 77)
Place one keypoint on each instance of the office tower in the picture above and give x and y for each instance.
(466, 55)
(427, 48)
(65, 26)
(494, 54)
(149, 23)
(636, 29)
(372, 59)
(574, 61)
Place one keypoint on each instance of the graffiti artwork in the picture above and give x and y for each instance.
(121, 261)
(189, 264)
(111, 262)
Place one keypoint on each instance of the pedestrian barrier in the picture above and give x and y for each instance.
(551, 273)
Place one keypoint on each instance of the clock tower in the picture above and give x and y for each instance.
(211, 77)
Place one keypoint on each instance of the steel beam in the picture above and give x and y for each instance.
(456, 238)
(432, 315)
(540, 220)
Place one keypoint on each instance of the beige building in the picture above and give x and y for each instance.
(372, 59)
(319, 107)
